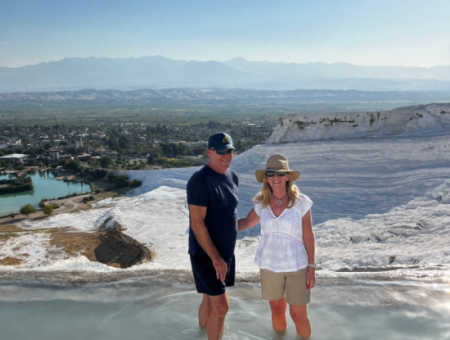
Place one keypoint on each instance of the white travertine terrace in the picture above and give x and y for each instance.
(422, 120)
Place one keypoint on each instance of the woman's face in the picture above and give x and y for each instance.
(277, 181)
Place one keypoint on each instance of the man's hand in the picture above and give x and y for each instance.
(221, 268)
(310, 278)
(201, 233)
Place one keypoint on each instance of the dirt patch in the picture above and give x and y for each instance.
(6, 237)
(7, 231)
(10, 261)
(76, 243)
(112, 248)
(10, 228)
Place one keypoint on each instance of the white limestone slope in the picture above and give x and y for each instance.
(378, 202)
(421, 120)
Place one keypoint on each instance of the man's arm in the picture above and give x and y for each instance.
(198, 214)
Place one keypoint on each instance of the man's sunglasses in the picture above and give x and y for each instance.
(272, 173)
(224, 152)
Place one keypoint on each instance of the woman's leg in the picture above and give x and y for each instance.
(278, 308)
(300, 317)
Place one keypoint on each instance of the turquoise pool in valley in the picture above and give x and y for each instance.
(45, 186)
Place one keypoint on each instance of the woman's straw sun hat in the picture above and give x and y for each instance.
(277, 163)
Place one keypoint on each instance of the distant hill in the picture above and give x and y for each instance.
(160, 72)
(338, 70)
(187, 95)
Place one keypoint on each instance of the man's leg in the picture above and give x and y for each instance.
(300, 317)
(219, 306)
(204, 311)
(278, 308)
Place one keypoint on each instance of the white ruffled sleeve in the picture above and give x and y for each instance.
(257, 207)
(304, 204)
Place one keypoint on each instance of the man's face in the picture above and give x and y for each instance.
(218, 162)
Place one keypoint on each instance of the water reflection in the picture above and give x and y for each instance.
(142, 310)
(44, 187)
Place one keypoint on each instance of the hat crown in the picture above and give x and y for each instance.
(220, 141)
(277, 162)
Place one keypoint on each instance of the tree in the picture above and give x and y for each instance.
(151, 160)
(72, 150)
(38, 150)
(48, 210)
(73, 165)
(106, 162)
(123, 142)
(175, 149)
(112, 143)
(159, 150)
(27, 210)
(199, 149)
(182, 149)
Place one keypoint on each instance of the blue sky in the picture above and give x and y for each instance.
(363, 32)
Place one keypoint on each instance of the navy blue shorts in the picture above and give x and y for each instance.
(205, 278)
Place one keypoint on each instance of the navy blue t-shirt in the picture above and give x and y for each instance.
(219, 194)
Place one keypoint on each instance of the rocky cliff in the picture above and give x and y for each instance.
(421, 120)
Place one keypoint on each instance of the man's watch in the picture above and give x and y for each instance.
(312, 265)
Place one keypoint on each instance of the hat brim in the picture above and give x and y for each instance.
(226, 147)
(294, 174)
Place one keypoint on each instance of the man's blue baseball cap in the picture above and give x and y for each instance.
(220, 141)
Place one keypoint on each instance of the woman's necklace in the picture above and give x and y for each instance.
(279, 201)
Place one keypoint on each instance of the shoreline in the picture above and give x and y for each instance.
(66, 205)
(184, 276)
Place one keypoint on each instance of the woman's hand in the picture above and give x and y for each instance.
(310, 246)
(310, 278)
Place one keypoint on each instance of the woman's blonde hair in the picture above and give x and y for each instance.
(263, 196)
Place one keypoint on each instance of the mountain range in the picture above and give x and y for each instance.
(160, 72)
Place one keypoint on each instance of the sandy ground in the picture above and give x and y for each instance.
(110, 247)
(99, 246)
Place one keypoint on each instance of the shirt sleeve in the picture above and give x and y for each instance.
(257, 207)
(236, 179)
(197, 192)
(305, 204)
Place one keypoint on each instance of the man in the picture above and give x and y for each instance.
(213, 197)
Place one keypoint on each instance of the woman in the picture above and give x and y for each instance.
(286, 252)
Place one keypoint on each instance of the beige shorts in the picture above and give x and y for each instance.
(276, 286)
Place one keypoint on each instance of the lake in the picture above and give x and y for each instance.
(45, 186)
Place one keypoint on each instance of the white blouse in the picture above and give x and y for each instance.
(281, 248)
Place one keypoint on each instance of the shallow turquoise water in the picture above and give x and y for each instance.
(139, 310)
(44, 187)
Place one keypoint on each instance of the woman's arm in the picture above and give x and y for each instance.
(309, 241)
(250, 221)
